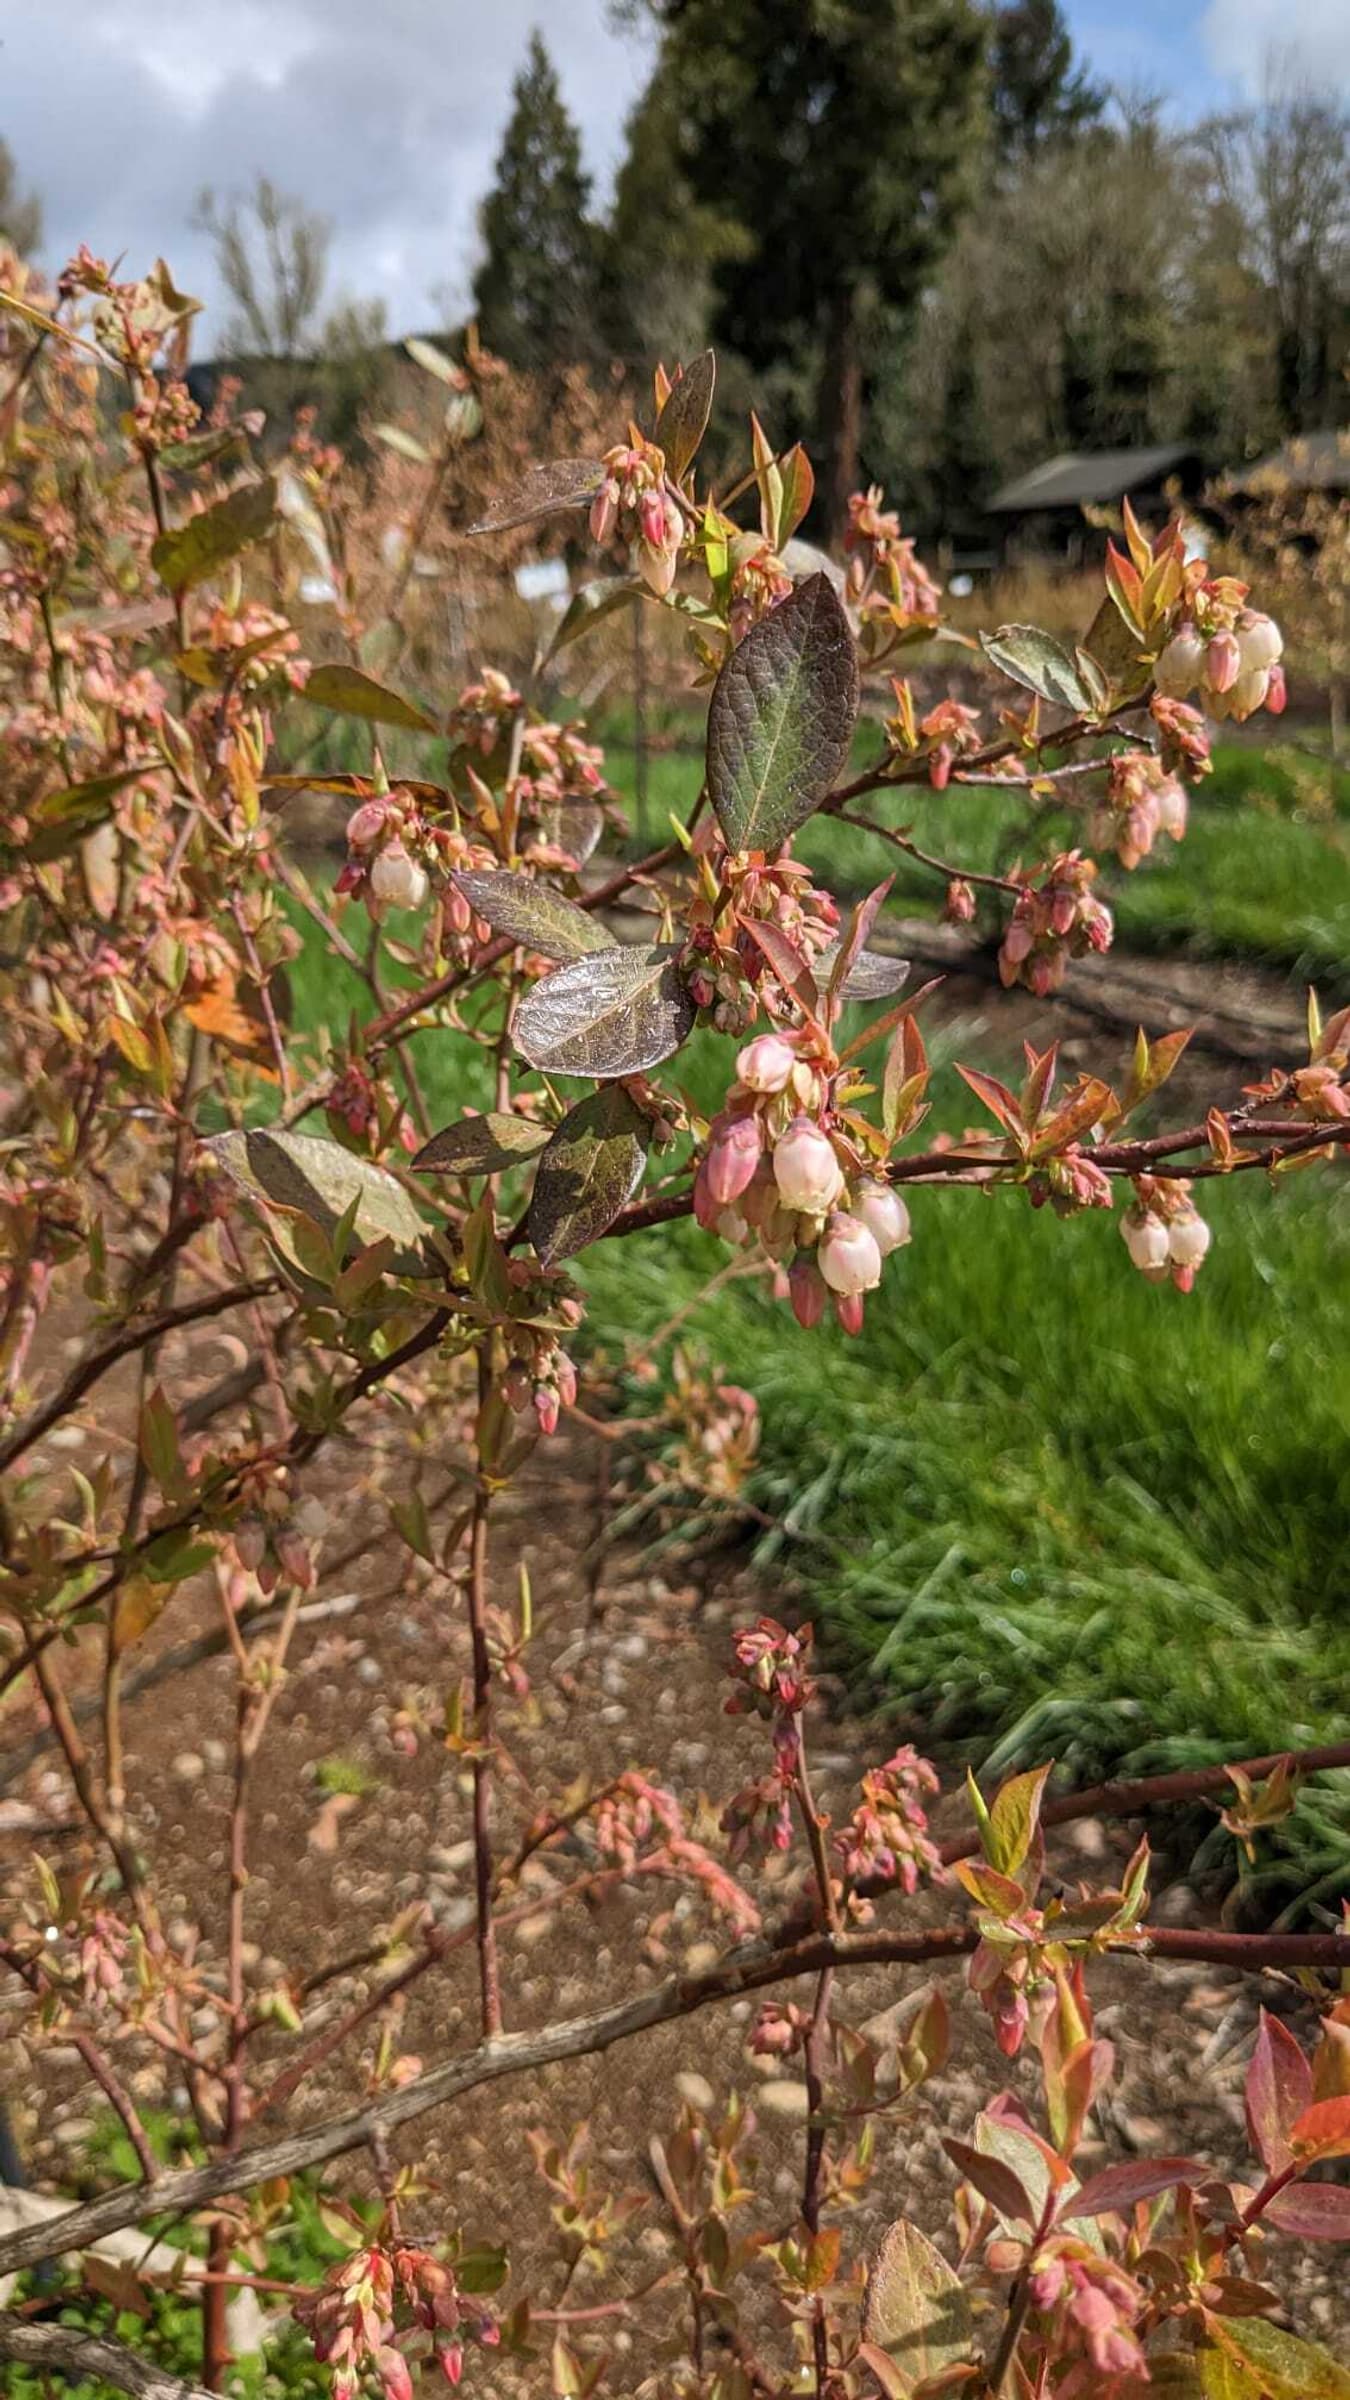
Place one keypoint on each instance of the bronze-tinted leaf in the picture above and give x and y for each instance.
(614, 1013)
(186, 553)
(781, 718)
(353, 693)
(1038, 662)
(544, 491)
(532, 913)
(318, 1179)
(915, 2308)
(684, 418)
(589, 1172)
(59, 820)
(484, 1145)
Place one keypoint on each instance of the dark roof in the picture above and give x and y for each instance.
(1079, 475)
(1312, 462)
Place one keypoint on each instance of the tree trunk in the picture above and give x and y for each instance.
(841, 399)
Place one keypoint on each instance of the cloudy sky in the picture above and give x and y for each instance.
(385, 114)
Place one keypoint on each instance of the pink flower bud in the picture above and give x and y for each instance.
(707, 1210)
(1276, 693)
(806, 1170)
(250, 1543)
(806, 1290)
(604, 509)
(396, 880)
(732, 1227)
(765, 1064)
(733, 1153)
(1223, 662)
(366, 824)
(884, 1214)
(960, 903)
(849, 1257)
(1178, 669)
(546, 1408)
(848, 1309)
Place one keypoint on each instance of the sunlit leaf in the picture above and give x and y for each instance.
(683, 420)
(915, 2309)
(353, 693)
(485, 1145)
(1038, 662)
(186, 553)
(614, 1013)
(543, 491)
(1282, 2366)
(304, 1173)
(1116, 2189)
(533, 913)
(1279, 2089)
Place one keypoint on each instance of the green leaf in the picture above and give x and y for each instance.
(1014, 1820)
(59, 820)
(315, 1178)
(483, 1145)
(1117, 651)
(394, 437)
(533, 913)
(544, 491)
(188, 552)
(683, 420)
(1283, 2367)
(614, 1013)
(781, 718)
(481, 2270)
(590, 606)
(176, 1555)
(196, 448)
(915, 2308)
(1038, 662)
(426, 354)
(590, 1170)
(353, 693)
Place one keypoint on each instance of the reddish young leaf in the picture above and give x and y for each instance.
(1116, 2189)
(994, 2181)
(996, 1097)
(1323, 2131)
(1279, 2089)
(1313, 2212)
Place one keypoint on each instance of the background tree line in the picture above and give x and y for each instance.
(922, 239)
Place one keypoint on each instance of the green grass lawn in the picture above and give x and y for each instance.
(1041, 1506)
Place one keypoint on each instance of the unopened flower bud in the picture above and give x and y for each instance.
(733, 1153)
(1145, 1237)
(1276, 692)
(732, 1227)
(765, 1064)
(848, 1309)
(806, 1290)
(546, 1408)
(960, 903)
(849, 1257)
(250, 1543)
(396, 880)
(1249, 692)
(1188, 1238)
(366, 823)
(1178, 669)
(1223, 662)
(1259, 640)
(884, 1214)
(806, 1170)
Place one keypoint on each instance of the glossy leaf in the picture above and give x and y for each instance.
(915, 2309)
(1279, 2088)
(1038, 662)
(352, 693)
(533, 913)
(847, 951)
(1116, 2189)
(683, 420)
(781, 718)
(434, 361)
(872, 975)
(614, 1013)
(485, 1145)
(543, 491)
(1014, 1820)
(186, 553)
(312, 1177)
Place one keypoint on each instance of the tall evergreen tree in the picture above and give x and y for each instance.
(1039, 95)
(20, 213)
(536, 293)
(840, 135)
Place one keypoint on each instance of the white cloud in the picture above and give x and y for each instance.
(1305, 41)
(384, 115)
